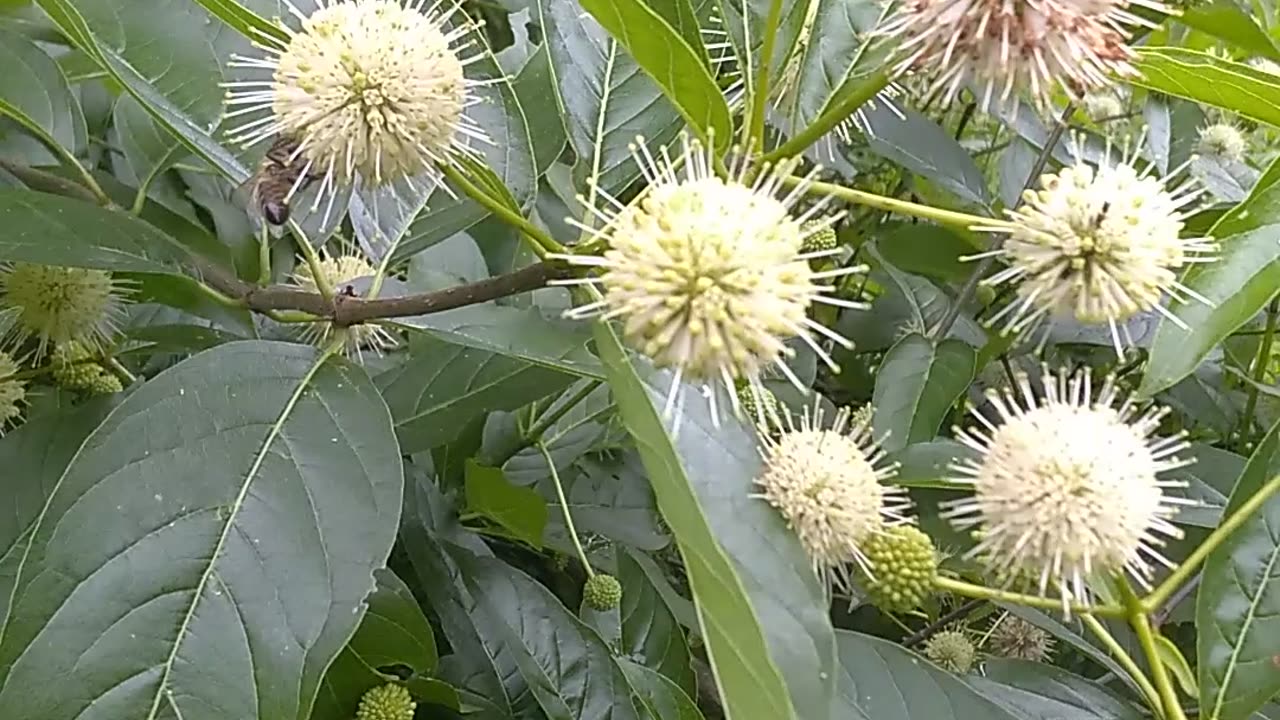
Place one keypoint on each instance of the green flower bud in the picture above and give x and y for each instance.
(903, 565)
(753, 411)
(105, 383)
(389, 702)
(602, 592)
(951, 650)
(818, 237)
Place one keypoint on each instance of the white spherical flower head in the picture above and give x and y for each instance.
(1066, 487)
(340, 272)
(1222, 140)
(827, 483)
(369, 89)
(1099, 245)
(1004, 48)
(708, 276)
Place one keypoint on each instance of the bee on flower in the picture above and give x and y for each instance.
(1099, 245)
(367, 92)
(708, 276)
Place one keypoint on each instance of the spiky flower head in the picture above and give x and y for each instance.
(340, 271)
(602, 592)
(1265, 65)
(387, 702)
(709, 276)
(1222, 140)
(827, 483)
(1006, 48)
(12, 391)
(1099, 245)
(951, 650)
(1066, 485)
(903, 565)
(1102, 105)
(369, 89)
(55, 305)
(1015, 638)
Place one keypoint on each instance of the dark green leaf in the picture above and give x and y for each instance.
(235, 478)
(918, 144)
(1236, 604)
(53, 230)
(929, 250)
(34, 92)
(763, 611)
(148, 149)
(1210, 80)
(926, 464)
(577, 431)
(918, 383)
(1225, 19)
(663, 699)
(832, 55)
(611, 498)
(1239, 283)
(518, 333)
(519, 510)
(602, 89)
(1038, 690)
(650, 634)
(881, 680)
(442, 386)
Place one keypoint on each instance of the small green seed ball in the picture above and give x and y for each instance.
(104, 383)
(389, 702)
(602, 592)
(818, 237)
(951, 650)
(751, 410)
(904, 565)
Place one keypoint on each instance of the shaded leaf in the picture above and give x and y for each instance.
(34, 92)
(920, 145)
(519, 510)
(650, 634)
(918, 383)
(1039, 690)
(518, 333)
(612, 498)
(663, 699)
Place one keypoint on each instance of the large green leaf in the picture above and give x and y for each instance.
(236, 478)
(442, 386)
(517, 510)
(832, 55)
(611, 498)
(918, 383)
(1238, 605)
(1241, 281)
(881, 680)
(1227, 20)
(669, 60)
(34, 92)
(762, 610)
(54, 230)
(1201, 77)
(921, 146)
(650, 634)
(607, 100)
(663, 699)
(1040, 690)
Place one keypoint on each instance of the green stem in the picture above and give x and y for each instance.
(534, 434)
(827, 122)
(1122, 656)
(323, 286)
(564, 505)
(1183, 573)
(264, 256)
(962, 221)
(1260, 362)
(960, 587)
(760, 98)
(1141, 623)
(541, 242)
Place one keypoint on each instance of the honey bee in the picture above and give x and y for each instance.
(281, 174)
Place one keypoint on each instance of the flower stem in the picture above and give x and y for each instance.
(541, 242)
(1141, 623)
(963, 221)
(1164, 590)
(323, 286)
(1122, 656)
(1259, 371)
(960, 587)
(564, 505)
(827, 121)
(760, 98)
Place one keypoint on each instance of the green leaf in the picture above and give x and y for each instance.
(607, 100)
(611, 498)
(577, 431)
(881, 680)
(1235, 605)
(929, 250)
(245, 21)
(1225, 19)
(1201, 77)
(1173, 659)
(54, 230)
(235, 478)
(832, 56)
(763, 612)
(918, 383)
(148, 149)
(650, 634)
(1038, 690)
(669, 60)
(442, 386)
(1238, 284)
(519, 510)
(926, 464)
(663, 699)
(34, 92)
(523, 333)
(921, 146)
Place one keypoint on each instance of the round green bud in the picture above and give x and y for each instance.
(951, 650)
(105, 383)
(602, 592)
(985, 295)
(389, 702)
(751, 410)
(818, 237)
(1015, 638)
(903, 566)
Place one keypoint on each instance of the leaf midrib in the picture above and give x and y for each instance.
(1238, 645)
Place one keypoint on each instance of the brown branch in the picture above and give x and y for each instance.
(349, 309)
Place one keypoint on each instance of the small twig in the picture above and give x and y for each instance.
(1259, 371)
(932, 628)
(1159, 617)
